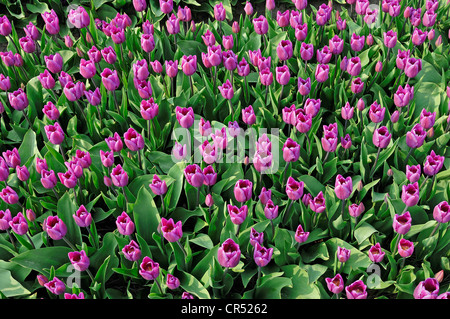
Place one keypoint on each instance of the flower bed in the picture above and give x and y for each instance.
(296, 154)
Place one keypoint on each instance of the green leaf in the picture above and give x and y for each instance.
(190, 284)
(9, 286)
(65, 210)
(146, 215)
(42, 259)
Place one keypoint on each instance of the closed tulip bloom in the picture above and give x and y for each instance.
(119, 176)
(354, 66)
(395, 116)
(355, 210)
(55, 286)
(243, 68)
(433, 164)
(390, 39)
(381, 137)
(410, 194)
(5, 218)
(131, 251)
(285, 50)
(210, 176)
(219, 12)
(427, 119)
(179, 151)
(32, 31)
(149, 269)
(343, 187)
(166, 6)
(266, 77)
(329, 142)
(209, 152)
(68, 179)
(158, 186)
(347, 111)
(304, 86)
(51, 21)
(346, 141)
(357, 290)
(262, 255)
(82, 217)
(301, 31)
(402, 96)
(133, 140)
(294, 189)
(376, 255)
(156, 66)
(427, 289)
(7, 58)
(149, 109)
(265, 195)
(322, 17)
(114, 142)
(4, 170)
(54, 62)
(282, 75)
(140, 70)
(341, 24)
(237, 215)
(107, 158)
(11, 157)
(51, 111)
(5, 83)
(173, 24)
(74, 91)
(19, 224)
(357, 42)
(370, 16)
(336, 45)
(54, 133)
(220, 138)
(185, 116)
(87, 68)
(243, 190)
(5, 26)
(27, 44)
(227, 90)
(172, 282)
(271, 210)
(357, 85)
(194, 175)
(322, 71)
(31, 215)
(376, 112)
(405, 248)
(291, 150)
(209, 38)
(413, 173)
(344, 64)
(18, 99)
(283, 18)
(260, 25)
(79, 17)
(80, 261)
(234, 129)
(248, 8)
(343, 254)
(256, 237)
(402, 223)
(124, 224)
(110, 79)
(295, 18)
(54, 227)
(401, 58)
(229, 254)
(228, 42)
(418, 37)
(336, 284)
(109, 55)
(312, 106)
(263, 62)
(74, 296)
(441, 212)
(48, 178)
(412, 67)
(429, 18)
(171, 231)
(144, 88)
(332, 128)
(300, 235)
(22, 173)
(248, 115)
(306, 51)
(416, 137)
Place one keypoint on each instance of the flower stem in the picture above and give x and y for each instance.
(372, 171)
(29, 239)
(69, 243)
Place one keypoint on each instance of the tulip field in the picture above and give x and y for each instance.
(188, 149)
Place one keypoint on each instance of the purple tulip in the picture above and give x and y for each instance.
(355, 210)
(416, 137)
(51, 21)
(294, 189)
(237, 215)
(376, 255)
(354, 66)
(243, 190)
(260, 25)
(265, 195)
(357, 42)
(410, 194)
(262, 255)
(343, 187)
(412, 67)
(132, 251)
(284, 50)
(5, 218)
(80, 261)
(149, 269)
(124, 224)
(55, 286)
(336, 284)
(185, 116)
(229, 254)
(48, 178)
(381, 137)
(433, 164)
(248, 115)
(441, 212)
(119, 176)
(82, 217)
(54, 227)
(427, 289)
(390, 39)
(413, 173)
(256, 237)
(133, 140)
(19, 224)
(357, 290)
(171, 231)
(22, 173)
(194, 175)
(405, 248)
(158, 186)
(291, 150)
